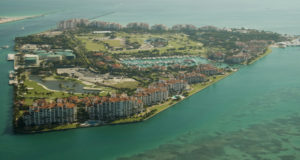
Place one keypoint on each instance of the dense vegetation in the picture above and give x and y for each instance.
(227, 39)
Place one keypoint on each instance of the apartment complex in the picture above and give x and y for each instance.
(152, 95)
(42, 113)
(192, 78)
(114, 107)
(107, 108)
(174, 86)
(72, 23)
(207, 69)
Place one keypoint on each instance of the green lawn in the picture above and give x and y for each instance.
(179, 42)
(114, 43)
(90, 44)
(127, 120)
(61, 127)
(36, 91)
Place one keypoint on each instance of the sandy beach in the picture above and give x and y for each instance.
(12, 19)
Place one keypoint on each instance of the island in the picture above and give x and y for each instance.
(92, 73)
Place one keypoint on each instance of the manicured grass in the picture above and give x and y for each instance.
(139, 40)
(36, 91)
(62, 127)
(179, 42)
(114, 43)
(128, 120)
(48, 128)
(90, 44)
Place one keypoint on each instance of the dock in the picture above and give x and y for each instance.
(11, 74)
(12, 82)
(11, 57)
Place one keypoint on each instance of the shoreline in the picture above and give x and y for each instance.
(269, 50)
(191, 93)
(4, 20)
(160, 108)
(156, 108)
(150, 111)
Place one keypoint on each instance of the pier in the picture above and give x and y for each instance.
(11, 57)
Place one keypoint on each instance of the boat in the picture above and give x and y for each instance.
(12, 82)
(11, 74)
(5, 47)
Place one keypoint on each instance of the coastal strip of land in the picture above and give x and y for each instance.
(148, 74)
(269, 50)
(156, 109)
(12, 19)
(150, 113)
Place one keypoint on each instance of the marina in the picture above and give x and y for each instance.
(169, 61)
(293, 43)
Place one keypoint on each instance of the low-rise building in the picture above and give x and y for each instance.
(54, 58)
(31, 60)
(67, 54)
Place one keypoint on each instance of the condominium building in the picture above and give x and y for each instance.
(207, 69)
(72, 23)
(193, 77)
(111, 108)
(152, 95)
(43, 113)
(174, 86)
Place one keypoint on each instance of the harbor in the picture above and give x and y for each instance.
(292, 43)
(165, 61)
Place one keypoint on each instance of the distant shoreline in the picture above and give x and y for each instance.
(13, 19)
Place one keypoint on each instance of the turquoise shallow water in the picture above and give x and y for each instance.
(253, 114)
